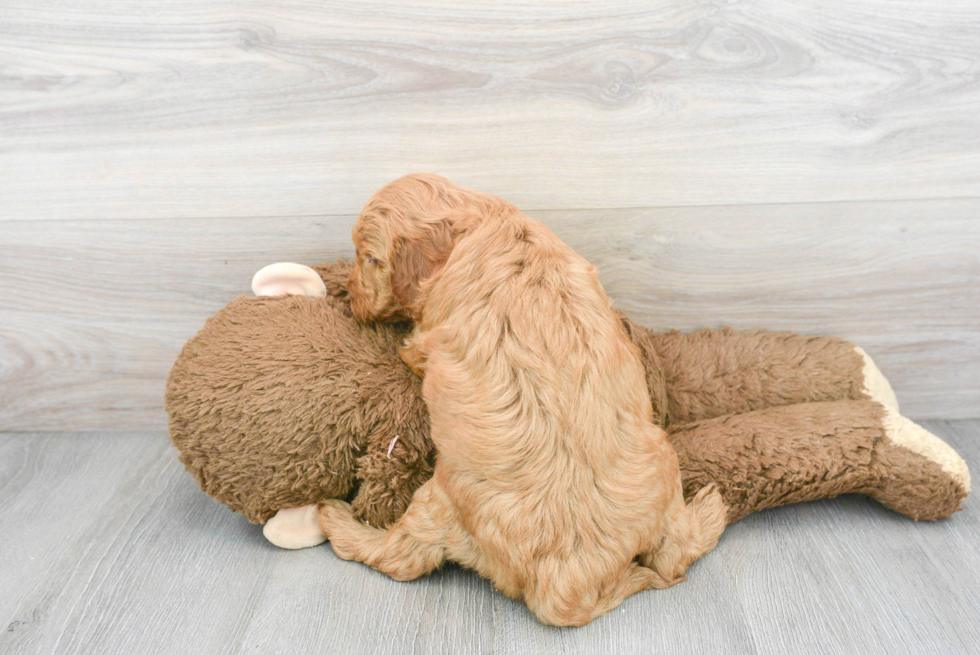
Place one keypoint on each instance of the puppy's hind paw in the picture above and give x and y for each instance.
(709, 515)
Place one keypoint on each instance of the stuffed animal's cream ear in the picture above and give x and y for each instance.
(287, 279)
(295, 527)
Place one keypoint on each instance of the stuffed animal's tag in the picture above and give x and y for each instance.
(288, 279)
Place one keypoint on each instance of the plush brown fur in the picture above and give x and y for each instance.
(279, 402)
(552, 479)
(256, 353)
(794, 453)
(719, 372)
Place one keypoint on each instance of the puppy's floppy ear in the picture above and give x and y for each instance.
(416, 259)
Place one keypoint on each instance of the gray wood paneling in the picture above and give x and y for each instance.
(900, 279)
(93, 313)
(115, 109)
(109, 547)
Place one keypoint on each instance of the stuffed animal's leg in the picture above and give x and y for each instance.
(412, 547)
(791, 454)
(719, 372)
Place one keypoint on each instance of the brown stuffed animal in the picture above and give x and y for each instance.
(283, 402)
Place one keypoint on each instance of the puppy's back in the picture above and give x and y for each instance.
(541, 419)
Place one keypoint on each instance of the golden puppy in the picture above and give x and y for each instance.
(551, 480)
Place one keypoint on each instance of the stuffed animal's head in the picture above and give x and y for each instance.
(404, 236)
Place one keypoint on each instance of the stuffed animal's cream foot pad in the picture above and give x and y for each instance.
(912, 436)
(295, 527)
(876, 386)
(287, 279)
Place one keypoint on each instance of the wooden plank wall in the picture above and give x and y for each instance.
(811, 166)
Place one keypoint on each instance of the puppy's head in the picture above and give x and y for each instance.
(403, 237)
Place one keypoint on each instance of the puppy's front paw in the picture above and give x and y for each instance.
(334, 515)
(338, 523)
(412, 356)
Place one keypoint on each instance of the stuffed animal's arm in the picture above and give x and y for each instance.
(393, 467)
(713, 373)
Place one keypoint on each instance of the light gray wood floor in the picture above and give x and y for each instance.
(109, 547)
